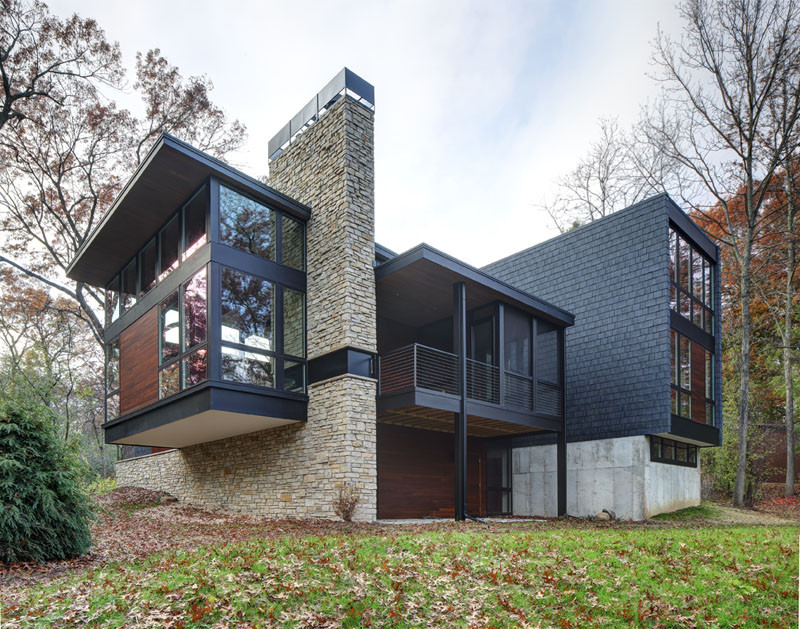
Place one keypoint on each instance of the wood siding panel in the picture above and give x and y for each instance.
(415, 474)
(138, 363)
(698, 383)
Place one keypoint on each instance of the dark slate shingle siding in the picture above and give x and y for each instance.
(612, 275)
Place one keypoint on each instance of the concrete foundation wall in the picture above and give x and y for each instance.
(614, 474)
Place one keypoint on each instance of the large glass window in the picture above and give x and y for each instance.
(246, 310)
(246, 224)
(293, 243)
(517, 341)
(691, 283)
(194, 223)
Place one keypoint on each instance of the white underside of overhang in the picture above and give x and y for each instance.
(201, 428)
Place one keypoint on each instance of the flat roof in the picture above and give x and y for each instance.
(410, 284)
(171, 172)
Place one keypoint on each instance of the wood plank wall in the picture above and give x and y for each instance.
(698, 383)
(415, 473)
(138, 363)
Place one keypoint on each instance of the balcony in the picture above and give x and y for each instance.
(418, 386)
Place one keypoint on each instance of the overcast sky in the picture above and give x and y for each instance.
(480, 106)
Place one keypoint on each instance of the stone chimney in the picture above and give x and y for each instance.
(324, 158)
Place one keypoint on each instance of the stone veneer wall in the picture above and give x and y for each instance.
(290, 471)
(296, 470)
(614, 474)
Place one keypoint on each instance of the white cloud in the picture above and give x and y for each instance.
(479, 106)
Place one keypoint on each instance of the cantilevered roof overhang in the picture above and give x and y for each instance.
(171, 172)
(411, 288)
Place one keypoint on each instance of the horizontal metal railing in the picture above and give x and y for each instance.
(420, 366)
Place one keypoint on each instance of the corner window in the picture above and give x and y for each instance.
(246, 224)
(672, 452)
(691, 380)
(128, 287)
(691, 283)
(112, 301)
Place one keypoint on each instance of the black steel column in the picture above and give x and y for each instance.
(561, 444)
(460, 419)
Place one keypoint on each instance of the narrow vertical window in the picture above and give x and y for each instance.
(147, 267)
(112, 301)
(194, 224)
(170, 327)
(169, 245)
(293, 243)
(112, 380)
(194, 310)
(128, 286)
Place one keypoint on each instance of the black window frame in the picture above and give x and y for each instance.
(184, 352)
(278, 355)
(705, 304)
(660, 444)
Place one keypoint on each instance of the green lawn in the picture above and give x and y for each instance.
(561, 577)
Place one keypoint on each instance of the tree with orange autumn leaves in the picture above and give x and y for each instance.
(66, 149)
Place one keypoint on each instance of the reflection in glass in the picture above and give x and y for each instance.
(697, 275)
(170, 328)
(194, 368)
(246, 310)
(128, 289)
(147, 266)
(112, 301)
(112, 369)
(686, 364)
(292, 244)
(194, 224)
(672, 252)
(194, 307)
(517, 341)
(293, 323)
(247, 367)
(246, 224)
(683, 264)
(169, 242)
(169, 380)
(673, 355)
(294, 376)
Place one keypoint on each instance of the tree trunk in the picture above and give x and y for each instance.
(744, 373)
(788, 370)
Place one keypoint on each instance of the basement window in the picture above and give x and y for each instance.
(672, 452)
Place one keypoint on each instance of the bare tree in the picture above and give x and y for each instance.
(607, 179)
(41, 56)
(719, 80)
(60, 175)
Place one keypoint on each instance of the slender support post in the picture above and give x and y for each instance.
(460, 419)
(561, 447)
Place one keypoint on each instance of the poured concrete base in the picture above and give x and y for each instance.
(613, 474)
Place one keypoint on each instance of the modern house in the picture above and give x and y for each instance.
(263, 350)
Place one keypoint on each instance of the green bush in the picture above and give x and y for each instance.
(45, 513)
